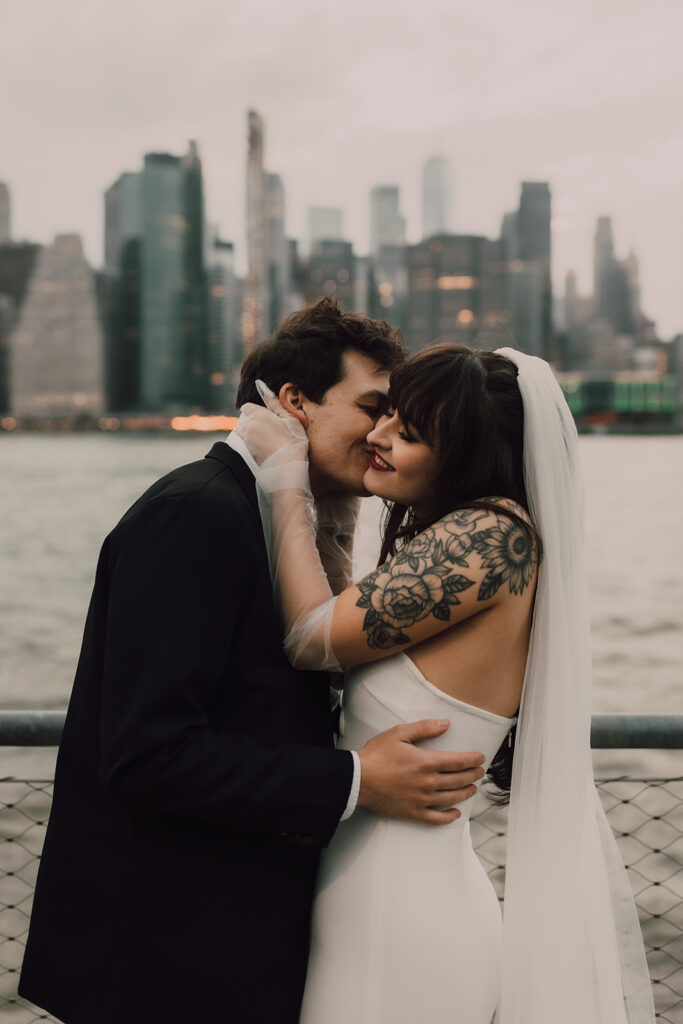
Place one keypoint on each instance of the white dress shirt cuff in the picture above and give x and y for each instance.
(355, 787)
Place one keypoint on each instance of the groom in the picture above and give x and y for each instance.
(196, 779)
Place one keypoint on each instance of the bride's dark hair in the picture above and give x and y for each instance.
(466, 404)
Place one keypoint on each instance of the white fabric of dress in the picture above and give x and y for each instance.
(406, 924)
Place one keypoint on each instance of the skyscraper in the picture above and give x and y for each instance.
(437, 175)
(508, 232)
(615, 282)
(122, 218)
(603, 265)
(256, 282)
(532, 296)
(162, 370)
(632, 271)
(456, 288)
(122, 290)
(5, 217)
(533, 222)
(603, 268)
(387, 224)
(277, 254)
(526, 297)
(571, 300)
(195, 388)
(325, 224)
(331, 271)
(390, 284)
(155, 286)
(17, 261)
(56, 348)
(224, 340)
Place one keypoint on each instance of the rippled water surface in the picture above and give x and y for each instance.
(60, 495)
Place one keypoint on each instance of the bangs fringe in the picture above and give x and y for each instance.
(421, 389)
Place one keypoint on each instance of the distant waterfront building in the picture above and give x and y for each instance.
(325, 224)
(256, 282)
(269, 283)
(533, 223)
(570, 314)
(17, 262)
(170, 379)
(391, 284)
(297, 275)
(224, 338)
(387, 224)
(603, 268)
(456, 288)
(122, 290)
(155, 290)
(363, 286)
(530, 282)
(437, 198)
(5, 214)
(632, 274)
(615, 283)
(193, 392)
(122, 218)
(277, 254)
(331, 271)
(527, 295)
(508, 232)
(56, 348)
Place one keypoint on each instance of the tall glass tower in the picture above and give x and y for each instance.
(5, 233)
(387, 224)
(437, 197)
(255, 284)
(277, 254)
(531, 279)
(155, 286)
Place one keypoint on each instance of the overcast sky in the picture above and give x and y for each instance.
(586, 95)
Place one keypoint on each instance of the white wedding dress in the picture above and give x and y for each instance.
(406, 925)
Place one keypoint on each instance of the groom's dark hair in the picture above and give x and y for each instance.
(307, 349)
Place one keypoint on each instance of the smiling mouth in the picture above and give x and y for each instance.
(379, 464)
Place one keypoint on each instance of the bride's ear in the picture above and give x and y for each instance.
(292, 400)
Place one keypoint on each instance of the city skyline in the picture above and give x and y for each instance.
(586, 99)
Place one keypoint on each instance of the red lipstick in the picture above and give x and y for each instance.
(378, 463)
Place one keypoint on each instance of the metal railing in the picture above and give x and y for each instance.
(646, 815)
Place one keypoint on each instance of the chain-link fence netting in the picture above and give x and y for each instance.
(645, 814)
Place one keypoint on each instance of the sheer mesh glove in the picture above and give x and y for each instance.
(336, 519)
(278, 444)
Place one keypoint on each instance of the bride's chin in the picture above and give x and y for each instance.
(375, 486)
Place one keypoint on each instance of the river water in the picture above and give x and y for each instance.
(61, 494)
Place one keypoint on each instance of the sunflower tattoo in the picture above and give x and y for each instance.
(421, 581)
(508, 552)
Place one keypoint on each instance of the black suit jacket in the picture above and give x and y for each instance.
(195, 781)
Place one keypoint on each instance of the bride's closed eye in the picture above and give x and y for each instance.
(405, 436)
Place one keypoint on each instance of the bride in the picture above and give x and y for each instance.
(478, 614)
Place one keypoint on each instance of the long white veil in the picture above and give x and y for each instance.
(572, 947)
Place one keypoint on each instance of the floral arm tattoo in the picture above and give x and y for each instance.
(421, 579)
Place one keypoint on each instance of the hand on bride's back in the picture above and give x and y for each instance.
(267, 431)
(401, 780)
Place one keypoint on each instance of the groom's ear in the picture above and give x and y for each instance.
(292, 400)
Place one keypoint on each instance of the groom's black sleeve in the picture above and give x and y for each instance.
(179, 573)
